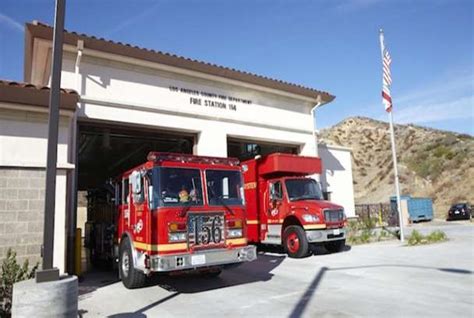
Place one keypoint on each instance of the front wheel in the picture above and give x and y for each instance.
(295, 242)
(131, 277)
(335, 246)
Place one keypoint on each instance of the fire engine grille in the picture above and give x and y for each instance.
(205, 229)
(333, 215)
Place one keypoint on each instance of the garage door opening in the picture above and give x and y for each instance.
(247, 149)
(104, 152)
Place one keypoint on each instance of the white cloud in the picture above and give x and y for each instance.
(446, 99)
(455, 84)
(349, 5)
(133, 19)
(460, 108)
(10, 23)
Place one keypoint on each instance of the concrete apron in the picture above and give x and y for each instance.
(48, 299)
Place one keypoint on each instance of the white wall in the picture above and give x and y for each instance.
(23, 143)
(336, 176)
(126, 93)
(23, 137)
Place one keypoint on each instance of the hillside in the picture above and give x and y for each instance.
(432, 163)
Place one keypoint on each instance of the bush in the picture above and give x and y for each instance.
(369, 223)
(362, 231)
(416, 238)
(383, 235)
(436, 236)
(11, 273)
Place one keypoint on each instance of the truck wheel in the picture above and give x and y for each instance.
(335, 246)
(295, 242)
(131, 277)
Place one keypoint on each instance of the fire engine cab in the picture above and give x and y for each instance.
(179, 212)
(286, 207)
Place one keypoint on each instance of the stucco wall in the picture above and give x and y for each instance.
(23, 137)
(336, 176)
(23, 148)
(125, 93)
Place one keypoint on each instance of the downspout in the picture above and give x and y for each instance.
(72, 211)
(80, 48)
(319, 103)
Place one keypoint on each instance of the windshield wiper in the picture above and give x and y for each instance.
(221, 201)
(305, 197)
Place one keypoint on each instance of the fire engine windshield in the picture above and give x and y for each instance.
(303, 189)
(177, 186)
(224, 187)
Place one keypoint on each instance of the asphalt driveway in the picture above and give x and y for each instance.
(377, 280)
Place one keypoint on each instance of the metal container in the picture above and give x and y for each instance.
(419, 209)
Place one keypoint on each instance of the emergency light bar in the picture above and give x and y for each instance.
(179, 157)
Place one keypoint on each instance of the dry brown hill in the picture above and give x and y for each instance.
(432, 163)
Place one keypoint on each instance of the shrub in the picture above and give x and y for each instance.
(361, 231)
(436, 236)
(440, 151)
(365, 236)
(11, 273)
(369, 223)
(416, 238)
(383, 235)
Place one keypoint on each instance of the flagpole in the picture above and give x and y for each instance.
(394, 154)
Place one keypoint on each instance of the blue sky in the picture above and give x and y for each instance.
(330, 45)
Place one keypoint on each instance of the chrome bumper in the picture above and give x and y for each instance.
(317, 236)
(166, 263)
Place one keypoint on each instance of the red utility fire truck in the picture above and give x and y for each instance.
(286, 207)
(180, 212)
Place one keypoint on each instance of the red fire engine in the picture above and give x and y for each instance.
(286, 207)
(180, 212)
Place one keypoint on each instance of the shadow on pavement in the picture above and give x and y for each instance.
(315, 249)
(301, 305)
(303, 302)
(259, 270)
(140, 312)
(95, 279)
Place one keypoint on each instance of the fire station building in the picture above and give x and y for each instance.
(124, 101)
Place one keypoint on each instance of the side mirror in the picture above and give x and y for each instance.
(135, 180)
(273, 195)
(225, 188)
(151, 201)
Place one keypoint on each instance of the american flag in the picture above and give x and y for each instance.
(387, 79)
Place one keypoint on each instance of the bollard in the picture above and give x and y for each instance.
(48, 299)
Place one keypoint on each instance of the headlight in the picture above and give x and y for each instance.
(177, 237)
(234, 233)
(310, 218)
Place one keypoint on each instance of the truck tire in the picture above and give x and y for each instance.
(131, 277)
(335, 246)
(295, 241)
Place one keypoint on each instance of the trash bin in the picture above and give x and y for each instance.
(419, 209)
